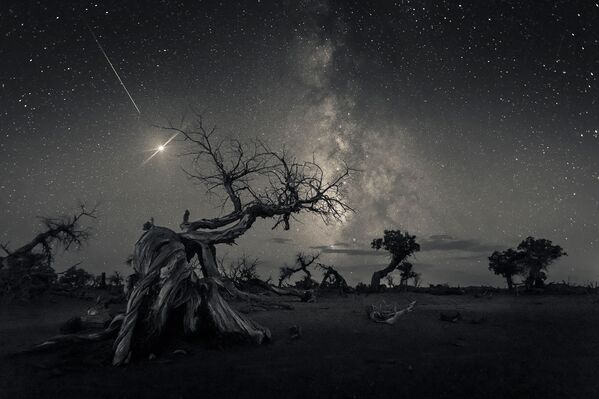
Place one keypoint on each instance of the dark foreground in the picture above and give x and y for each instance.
(534, 347)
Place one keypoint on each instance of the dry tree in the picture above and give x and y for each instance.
(332, 279)
(241, 271)
(302, 262)
(255, 182)
(65, 231)
(29, 268)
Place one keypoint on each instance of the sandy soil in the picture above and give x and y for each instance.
(528, 347)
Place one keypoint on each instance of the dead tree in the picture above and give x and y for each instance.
(302, 262)
(241, 271)
(33, 261)
(64, 231)
(243, 274)
(332, 279)
(256, 183)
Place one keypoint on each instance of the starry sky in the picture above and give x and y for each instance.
(474, 124)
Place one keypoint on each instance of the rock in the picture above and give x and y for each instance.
(152, 356)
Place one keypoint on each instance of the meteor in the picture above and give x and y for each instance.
(113, 69)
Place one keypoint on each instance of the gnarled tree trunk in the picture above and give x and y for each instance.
(168, 285)
(375, 282)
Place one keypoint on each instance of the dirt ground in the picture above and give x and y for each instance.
(527, 347)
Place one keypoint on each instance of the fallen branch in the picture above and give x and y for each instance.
(384, 314)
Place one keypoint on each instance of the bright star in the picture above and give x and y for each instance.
(160, 148)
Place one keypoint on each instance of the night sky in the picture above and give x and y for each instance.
(474, 124)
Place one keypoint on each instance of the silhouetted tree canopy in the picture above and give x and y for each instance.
(75, 277)
(406, 272)
(537, 255)
(506, 264)
(400, 246)
(530, 259)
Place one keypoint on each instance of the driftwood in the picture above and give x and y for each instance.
(387, 314)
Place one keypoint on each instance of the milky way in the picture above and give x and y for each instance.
(473, 124)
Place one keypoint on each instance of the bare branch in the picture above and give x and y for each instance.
(302, 262)
(256, 182)
(65, 231)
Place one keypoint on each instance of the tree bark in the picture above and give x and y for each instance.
(208, 261)
(223, 320)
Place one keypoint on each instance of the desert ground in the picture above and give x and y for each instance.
(530, 346)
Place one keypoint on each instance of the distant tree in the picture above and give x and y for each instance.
(302, 262)
(406, 273)
(100, 281)
(332, 279)
(400, 246)
(362, 288)
(63, 231)
(28, 270)
(537, 255)
(241, 271)
(530, 259)
(75, 277)
(28, 278)
(116, 279)
(506, 264)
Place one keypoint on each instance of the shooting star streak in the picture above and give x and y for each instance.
(114, 70)
(160, 148)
